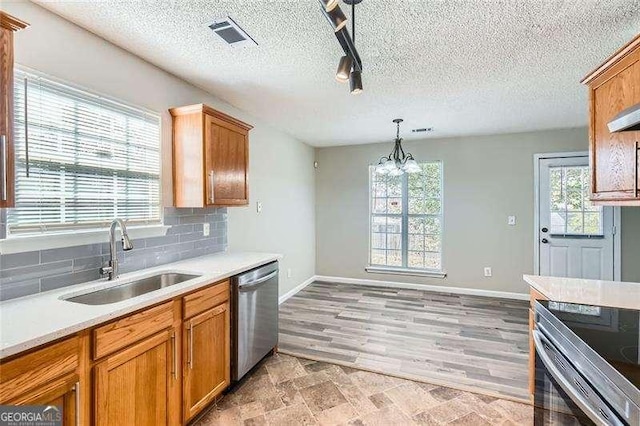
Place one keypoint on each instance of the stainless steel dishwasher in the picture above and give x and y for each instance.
(254, 317)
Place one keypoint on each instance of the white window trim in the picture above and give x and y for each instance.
(35, 242)
(391, 270)
(17, 243)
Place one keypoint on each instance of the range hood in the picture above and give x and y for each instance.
(627, 120)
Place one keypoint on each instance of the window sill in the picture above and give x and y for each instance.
(405, 271)
(21, 244)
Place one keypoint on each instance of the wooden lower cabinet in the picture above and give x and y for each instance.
(64, 394)
(137, 386)
(206, 351)
(45, 376)
(159, 366)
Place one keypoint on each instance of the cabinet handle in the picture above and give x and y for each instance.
(3, 152)
(26, 128)
(175, 356)
(212, 197)
(191, 346)
(76, 389)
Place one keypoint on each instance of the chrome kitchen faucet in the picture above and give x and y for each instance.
(112, 269)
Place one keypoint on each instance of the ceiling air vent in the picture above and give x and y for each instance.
(423, 129)
(231, 32)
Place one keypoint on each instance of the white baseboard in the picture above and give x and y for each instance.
(436, 288)
(294, 290)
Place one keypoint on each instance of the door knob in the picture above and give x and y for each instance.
(545, 229)
(545, 241)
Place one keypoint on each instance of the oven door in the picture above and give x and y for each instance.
(562, 395)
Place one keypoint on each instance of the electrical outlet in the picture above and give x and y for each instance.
(511, 220)
(289, 273)
(487, 271)
(259, 207)
(206, 229)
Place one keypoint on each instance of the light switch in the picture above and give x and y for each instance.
(259, 207)
(511, 220)
(487, 271)
(206, 229)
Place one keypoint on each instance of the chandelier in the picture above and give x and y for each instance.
(397, 162)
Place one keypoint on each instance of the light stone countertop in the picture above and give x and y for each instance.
(615, 294)
(31, 321)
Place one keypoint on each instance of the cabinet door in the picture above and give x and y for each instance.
(136, 386)
(62, 393)
(614, 155)
(6, 119)
(226, 160)
(206, 350)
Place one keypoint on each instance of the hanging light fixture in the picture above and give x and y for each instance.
(397, 162)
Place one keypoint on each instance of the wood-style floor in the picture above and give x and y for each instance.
(288, 391)
(471, 343)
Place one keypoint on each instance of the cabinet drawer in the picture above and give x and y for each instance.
(38, 368)
(204, 299)
(112, 337)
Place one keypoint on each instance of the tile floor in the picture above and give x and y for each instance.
(468, 342)
(285, 390)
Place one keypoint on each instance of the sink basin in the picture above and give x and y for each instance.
(131, 289)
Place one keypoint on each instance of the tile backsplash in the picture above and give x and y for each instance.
(32, 272)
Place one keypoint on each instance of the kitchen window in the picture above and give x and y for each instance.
(406, 222)
(81, 159)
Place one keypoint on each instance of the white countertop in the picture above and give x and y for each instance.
(33, 320)
(616, 294)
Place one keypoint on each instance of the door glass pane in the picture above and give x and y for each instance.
(572, 212)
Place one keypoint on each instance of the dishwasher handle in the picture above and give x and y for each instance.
(256, 283)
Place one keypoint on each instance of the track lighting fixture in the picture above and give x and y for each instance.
(329, 4)
(344, 69)
(355, 82)
(336, 18)
(350, 65)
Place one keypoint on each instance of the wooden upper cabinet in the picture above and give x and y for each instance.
(210, 158)
(613, 87)
(8, 25)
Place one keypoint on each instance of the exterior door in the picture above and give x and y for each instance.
(575, 238)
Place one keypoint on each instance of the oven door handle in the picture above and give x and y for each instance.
(573, 393)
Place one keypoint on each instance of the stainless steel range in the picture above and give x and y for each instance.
(254, 297)
(587, 365)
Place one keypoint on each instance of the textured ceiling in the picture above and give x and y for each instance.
(462, 67)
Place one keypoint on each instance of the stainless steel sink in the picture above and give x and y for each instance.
(131, 289)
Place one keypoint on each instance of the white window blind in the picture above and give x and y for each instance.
(81, 159)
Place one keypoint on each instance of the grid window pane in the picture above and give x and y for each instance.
(408, 209)
(572, 212)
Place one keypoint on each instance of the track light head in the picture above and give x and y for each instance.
(336, 18)
(329, 4)
(344, 68)
(355, 82)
